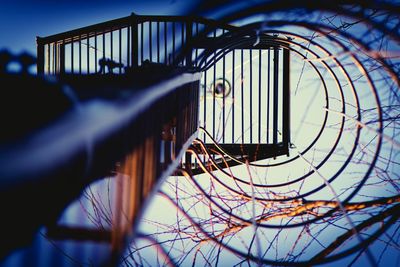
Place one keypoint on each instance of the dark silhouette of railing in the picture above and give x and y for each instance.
(203, 45)
(130, 41)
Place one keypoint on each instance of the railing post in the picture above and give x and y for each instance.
(62, 58)
(40, 55)
(275, 97)
(189, 35)
(134, 40)
(286, 98)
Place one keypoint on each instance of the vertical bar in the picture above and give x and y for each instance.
(80, 54)
(158, 42)
(223, 95)
(275, 112)
(129, 50)
(188, 161)
(150, 42)
(241, 86)
(189, 34)
(58, 57)
(54, 58)
(62, 57)
(259, 95)
(40, 56)
(190, 109)
(205, 102)
(268, 92)
(95, 53)
(182, 40)
(72, 55)
(141, 43)
(111, 49)
(87, 54)
(173, 42)
(286, 98)
(251, 94)
(48, 58)
(197, 50)
(233, 96)
(134, 41)
(213, 93)
(196, 109)
(104, 50)
(165, 44)
(120, 48)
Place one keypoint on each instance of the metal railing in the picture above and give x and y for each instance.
(245, 97)
(245, 91)
(128, 42)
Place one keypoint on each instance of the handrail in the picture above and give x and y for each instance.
(68, 36)
(70, 135)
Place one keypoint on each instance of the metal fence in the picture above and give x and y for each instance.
(128, 42)
(244, 95)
